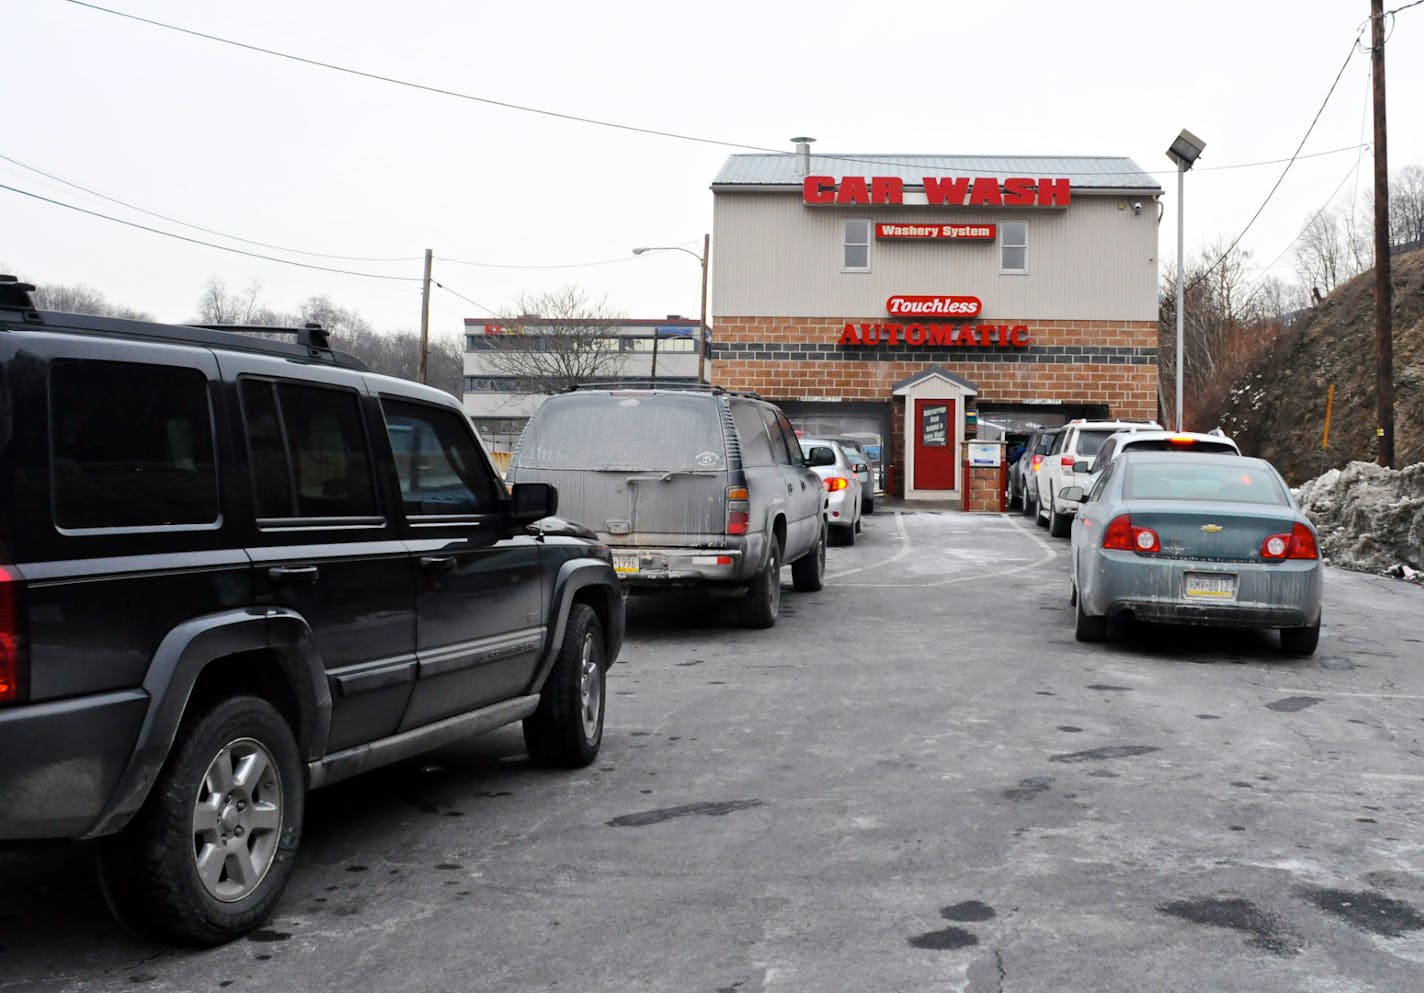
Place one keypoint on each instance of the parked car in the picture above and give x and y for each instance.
(1078, 442)
(233, 569)
(1023, 473)
(864, 471)
(1195, 538)
(692, 489)
(842, 483)
(1156, 441)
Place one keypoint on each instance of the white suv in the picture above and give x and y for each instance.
(1077, 443)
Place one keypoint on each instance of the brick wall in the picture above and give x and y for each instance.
(788, 358)
(984, 489)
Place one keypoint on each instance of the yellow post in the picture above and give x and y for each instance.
(1329, 405)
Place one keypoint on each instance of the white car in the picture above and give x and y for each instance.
(1156, 441)
(1076, 444)
(843, 489)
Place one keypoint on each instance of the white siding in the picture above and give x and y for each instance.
(775, 256)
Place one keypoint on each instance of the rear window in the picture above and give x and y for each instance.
(625, 432)
(1158, 480)
(1090, 441)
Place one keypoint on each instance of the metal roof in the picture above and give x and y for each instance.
(1084, 172)
(934, 372)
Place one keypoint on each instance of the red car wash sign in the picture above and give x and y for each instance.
(936, 335)
(940, 191)
(937, 232)
(933, 306)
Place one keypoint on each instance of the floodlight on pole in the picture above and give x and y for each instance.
(702, 324)
(1183, 152)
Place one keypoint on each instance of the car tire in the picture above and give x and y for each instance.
(1087, 628)
(1300, 641)
(565, 730)
(1039, 517)
(1028, 506)
(808, 573)
(1058, 524)
(847, 534)
(867, 505)
(762, 603)
(202, 865)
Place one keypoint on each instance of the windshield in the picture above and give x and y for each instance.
(659, 432)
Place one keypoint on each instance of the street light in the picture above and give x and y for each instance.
(1184, 152)
(702, 324)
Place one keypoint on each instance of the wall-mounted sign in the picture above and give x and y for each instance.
(934, 306)
(940, 191)
(936, 232)
(934, 426)
(983, 453)
(936, 335)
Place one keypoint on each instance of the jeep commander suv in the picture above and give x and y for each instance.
(234, 568)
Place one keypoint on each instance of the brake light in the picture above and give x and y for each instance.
(11, 642)
(1299, 544)
(1037, 461)
(738, 510)
(1124, 536)
(834, 484)
(1181, 441)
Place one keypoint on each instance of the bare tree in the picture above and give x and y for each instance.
(1406, 206)
(1323, 255)
(553, 341)
(80, 299)
(218, 306)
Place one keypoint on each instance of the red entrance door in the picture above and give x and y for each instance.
(934, 444)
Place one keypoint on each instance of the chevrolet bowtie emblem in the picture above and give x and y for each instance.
(1211, 528)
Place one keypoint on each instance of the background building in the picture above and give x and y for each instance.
(909, 299)
(511, 366)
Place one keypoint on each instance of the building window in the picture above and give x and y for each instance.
(1013, 246)
(856, 240)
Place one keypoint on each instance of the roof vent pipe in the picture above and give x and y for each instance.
(803, 156)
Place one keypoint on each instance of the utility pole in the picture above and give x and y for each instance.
(1384, 331)
(702, 325)
(424, 320)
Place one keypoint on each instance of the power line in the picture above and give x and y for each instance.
(500, 265)
(197, 227)
(1315, 120)
(208, 244)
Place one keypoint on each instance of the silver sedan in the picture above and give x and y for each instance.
(1195, 539)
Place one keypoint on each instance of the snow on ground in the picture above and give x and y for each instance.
(1369, 518)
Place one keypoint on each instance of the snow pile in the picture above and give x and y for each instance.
(1369, 518)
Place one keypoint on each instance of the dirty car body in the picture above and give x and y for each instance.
(1190, 538)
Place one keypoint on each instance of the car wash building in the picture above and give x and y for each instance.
(919, 302)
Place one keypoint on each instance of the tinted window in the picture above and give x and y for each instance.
(788, 434)
(1193, 481)
(308, 451)
(625, 432)
(751, 432)
(1090, 441)
(1166, 445)
(780, 454)
(440, 466)
(132, 446)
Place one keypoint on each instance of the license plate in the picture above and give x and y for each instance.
(624, 562)
(1215, 585)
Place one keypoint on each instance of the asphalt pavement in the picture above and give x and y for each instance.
(918, 780)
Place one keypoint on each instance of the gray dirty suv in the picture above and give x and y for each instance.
(233, 569)
(704, 489)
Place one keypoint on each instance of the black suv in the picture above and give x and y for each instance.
(234, 568)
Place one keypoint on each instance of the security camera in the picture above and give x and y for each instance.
(1137, 206)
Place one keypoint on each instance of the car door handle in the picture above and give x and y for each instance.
(302, 574)
(438, 563)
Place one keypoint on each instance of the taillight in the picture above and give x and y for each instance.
(1124, 536)
(834, 484)
(1066, 461)
(1037, 461)
(738, 509)
(1181, 441)
(11, 639)
(1299, 544)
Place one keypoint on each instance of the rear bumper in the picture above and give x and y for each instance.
(1268, 595)
(60, 761)
(643, 569)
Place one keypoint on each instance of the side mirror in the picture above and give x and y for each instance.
(1081, 466)
(531, 501)
(820, 455)
(1073, 493)
(860, 467)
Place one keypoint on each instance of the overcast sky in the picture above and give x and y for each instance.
(324, 162)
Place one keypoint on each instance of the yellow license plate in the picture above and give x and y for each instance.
(624, 564)
(1212, 585)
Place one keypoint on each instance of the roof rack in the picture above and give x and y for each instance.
(309, 335)
(669, 386)
(15, 295)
